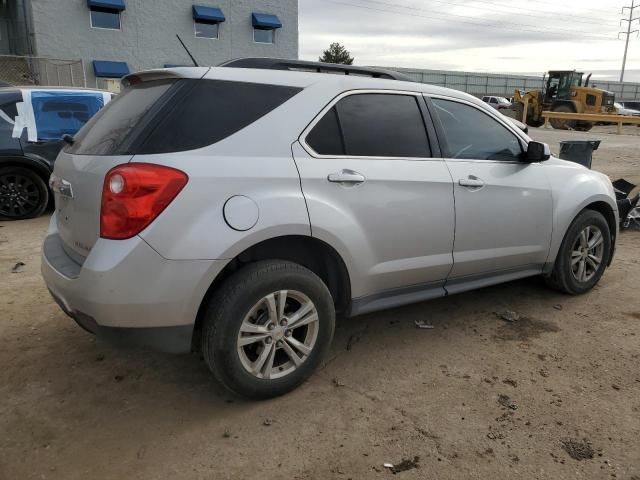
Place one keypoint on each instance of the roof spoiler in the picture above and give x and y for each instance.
(164, 74)
(317, 67)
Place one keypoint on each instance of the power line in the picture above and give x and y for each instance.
(447, 17)
(519, 10)
(628, 33)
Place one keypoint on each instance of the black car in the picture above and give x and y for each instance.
(33, 122)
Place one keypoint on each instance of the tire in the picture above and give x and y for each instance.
(563, 124)
(584, 126)
(23, 194)
(242, 301)
(565, 276)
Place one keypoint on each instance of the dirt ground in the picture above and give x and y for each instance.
(553, 395)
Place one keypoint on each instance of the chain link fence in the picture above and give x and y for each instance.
(52, 72)
(481, 84)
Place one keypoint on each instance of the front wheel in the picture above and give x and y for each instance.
(584, 254)
(268, 328)
(559, 124)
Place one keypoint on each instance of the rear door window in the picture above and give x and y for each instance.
(372, 125)
(474, 135)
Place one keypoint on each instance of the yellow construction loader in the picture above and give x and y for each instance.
(563, 91)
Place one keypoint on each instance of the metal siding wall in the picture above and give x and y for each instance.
(480, 84)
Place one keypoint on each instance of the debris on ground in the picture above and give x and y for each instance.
(267, 422)
(17, 268)
(404, 465)
(355, 339)
(508, 316)
(578, 450)
(424, 326)
(337, 383)
(509, 381)
(226, 433)
(558, 307)
(615, 387)
(118, 378)
(506, 402)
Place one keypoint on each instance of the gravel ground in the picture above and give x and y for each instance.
(553, 395)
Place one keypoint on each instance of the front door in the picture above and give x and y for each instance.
(503, 205)
(374, 190)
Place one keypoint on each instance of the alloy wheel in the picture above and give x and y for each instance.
(278, 334)
(587, 254)
(19, 195)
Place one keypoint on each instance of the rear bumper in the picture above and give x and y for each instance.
(126, 293)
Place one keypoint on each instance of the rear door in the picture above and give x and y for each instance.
(376, 189)
(80, 169)
(503, 205)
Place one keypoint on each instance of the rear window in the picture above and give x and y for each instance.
(107, 132)
(177, 115)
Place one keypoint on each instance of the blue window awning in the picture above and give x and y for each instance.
(266, 21)
(108, 4)
(104, 69)
(208, 14)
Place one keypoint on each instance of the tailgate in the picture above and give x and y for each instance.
(77, 183)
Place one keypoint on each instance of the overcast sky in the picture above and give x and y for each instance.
(519, 36)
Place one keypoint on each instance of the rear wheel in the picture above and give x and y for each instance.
(559, 124)
(23, 194)
(583, 256)
(268, 328)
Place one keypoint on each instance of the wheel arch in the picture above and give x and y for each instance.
(30, 164)
(312, 253)
(600, 203)
(609, 215)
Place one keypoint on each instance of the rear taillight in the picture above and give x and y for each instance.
(134, 195)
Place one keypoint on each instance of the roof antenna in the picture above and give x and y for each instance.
(195, 62)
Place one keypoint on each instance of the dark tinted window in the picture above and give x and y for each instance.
(105, 18)
(211, 111)
(107, 132)
(326, 138)
(381, 125)
(472, 134)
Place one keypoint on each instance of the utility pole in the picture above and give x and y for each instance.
(628, 33)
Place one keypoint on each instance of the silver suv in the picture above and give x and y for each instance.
(239, 210)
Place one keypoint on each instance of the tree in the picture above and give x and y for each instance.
(336, 53)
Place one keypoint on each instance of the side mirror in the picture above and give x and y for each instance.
(537, 152)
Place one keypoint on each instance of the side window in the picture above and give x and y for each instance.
(474, 135)
(372, 125)
(326, 136)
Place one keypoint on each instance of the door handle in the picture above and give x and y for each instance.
(471, 182)
(346, 176)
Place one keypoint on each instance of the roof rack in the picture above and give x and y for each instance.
(317, 67)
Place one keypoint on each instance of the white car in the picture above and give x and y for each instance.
(622, 110)
(238, 210)
(499, 103)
